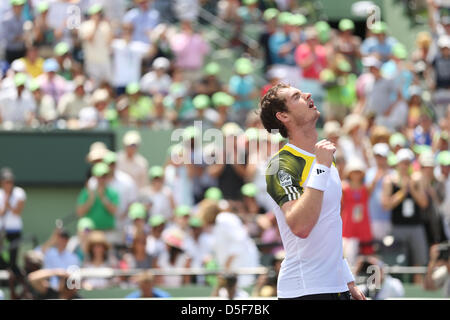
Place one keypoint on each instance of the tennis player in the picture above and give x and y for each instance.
(303, 181)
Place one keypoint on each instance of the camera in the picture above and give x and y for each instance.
(444, 249)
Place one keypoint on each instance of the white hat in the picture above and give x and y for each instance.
(351, 121)
(355, 165)
(97, 151)
(161, 63)
(100, 95)
(331, 127)
(444, 41)
(18, 65)
(404, 155)
(131, 137)
(371, 61)
(426, 159)
(381, 149)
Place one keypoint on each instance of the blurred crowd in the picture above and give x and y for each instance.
(149, 64)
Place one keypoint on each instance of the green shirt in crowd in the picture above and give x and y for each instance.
(103, 220)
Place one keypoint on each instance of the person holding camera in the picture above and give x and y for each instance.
(438, 270)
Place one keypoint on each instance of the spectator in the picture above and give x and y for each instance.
(356, 232)
(158, 195)
(233, 248)
(242, 88)
(97, 258)
(33, 261)
(45, 105)
(210, 83)
(380, 218)
(441, 81)
(230, 170)
(270, 24)
(204, 113)
(128, 56)
(348, 44)
(96, 35)
(95, 116)
(144, 19)
(137, 214)
(311, 56)
(438, 269)
(52, 83)
(186, 10)
(34, 64)
(404, 195)
(222, 102)
(56, 254)
(354, 143)
(146, 281)
(44, 34)
(155, 244)
(39, 281)
(379, 43)
(250, 210)
(72, 102)
(99, 204)
(78, 244)
(141, 109)
(190, 49)
(181, 218)
(435, 191)
(198, 244)
(175, 256)
(443, 159)
(389, 287)
(17, 106)
(68, 67)
(131, 162)
(157, 80)
(228, 288)
(12, 25)
(12, 202)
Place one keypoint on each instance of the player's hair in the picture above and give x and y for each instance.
(269, 105)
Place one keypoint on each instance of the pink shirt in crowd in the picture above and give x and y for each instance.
(190, 50)
(55, 88)
(303, 52)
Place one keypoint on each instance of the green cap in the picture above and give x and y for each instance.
(61, 49)
(212, 69)
(214, 193)
(297, 20)
(249, 2)
(392, 159)
(85, 223)
(20, 79)
(110, 157)
(270, 14)
(249, 190)
(322, 26)
(222, 99)
(132, 88)
(195, 222)
(399, 51)
(201, 101)
(397, 139)
(252, 134)
(42, 6)
(33, 85)
(243, 66)
(100, 169)
(379, 27)
(137, 211)
(346, 24)
(284, 18)
(344, 66)
(231, 129)
(443, 158)
(17, 2)
(95, 8)
(156, 220)
(327, 75)
(156, 172)
(182, 211)
(190, 132)
(421, 148)
(111, 114)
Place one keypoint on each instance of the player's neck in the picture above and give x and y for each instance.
(305, 139)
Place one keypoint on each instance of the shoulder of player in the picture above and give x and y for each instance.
(287, 161)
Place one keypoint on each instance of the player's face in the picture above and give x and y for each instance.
(300, 105)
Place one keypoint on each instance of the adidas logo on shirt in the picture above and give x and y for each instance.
(319, 171)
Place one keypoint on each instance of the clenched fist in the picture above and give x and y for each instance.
(324, 151)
